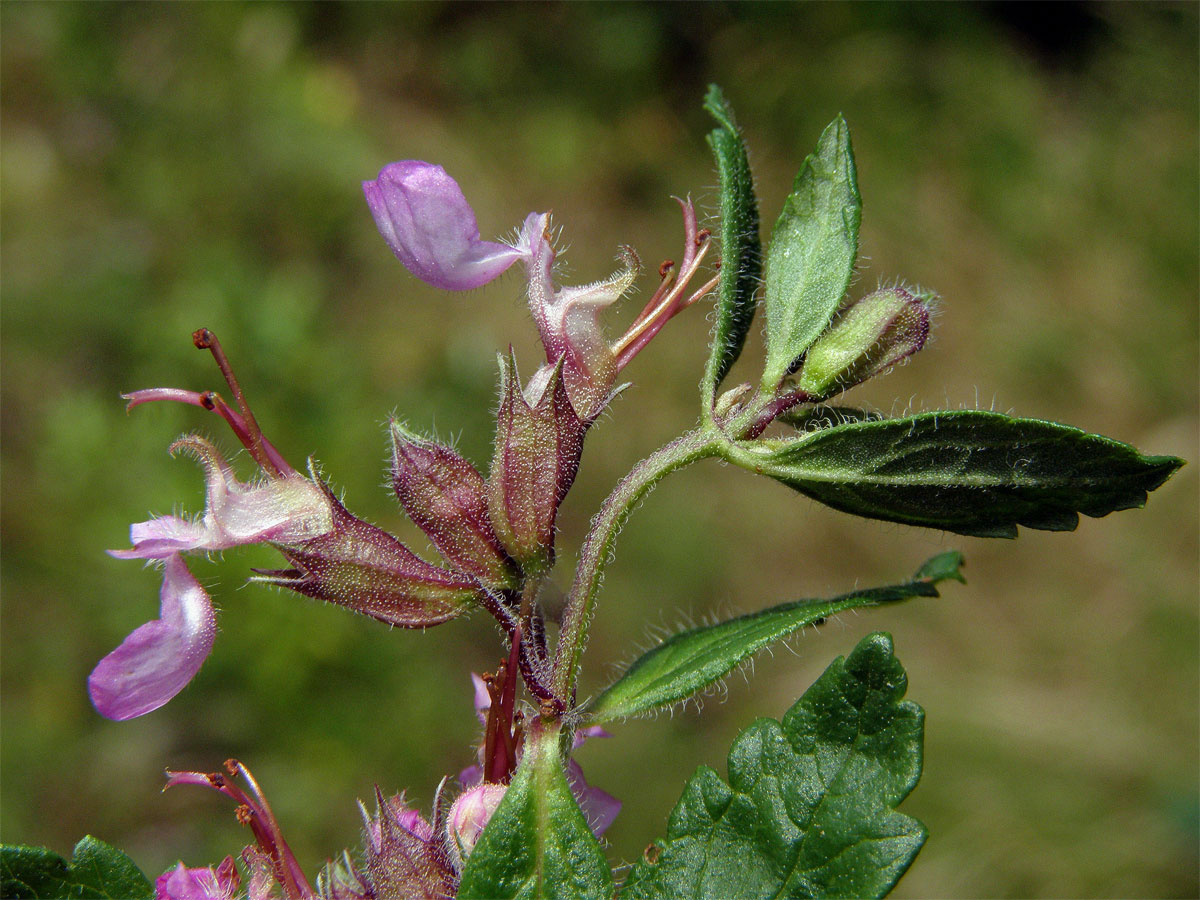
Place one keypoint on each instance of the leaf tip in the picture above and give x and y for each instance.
(942, 567)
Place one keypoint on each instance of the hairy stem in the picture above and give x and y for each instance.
(597, 548)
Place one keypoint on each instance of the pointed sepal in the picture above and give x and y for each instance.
(447, 498)
(362, 567)
(538, 443)
(405, 855)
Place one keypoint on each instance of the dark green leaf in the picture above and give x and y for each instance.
(809, 810)
(812, 253)
(741, 249)
(96, 871)
(690, 661)
(538, 843)
(972, 472)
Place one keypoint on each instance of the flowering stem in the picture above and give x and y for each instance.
(531, 658)
(596, 551)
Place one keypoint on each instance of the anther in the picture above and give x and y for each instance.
(666, 267)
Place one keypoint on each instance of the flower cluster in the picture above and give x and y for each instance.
(494, 534)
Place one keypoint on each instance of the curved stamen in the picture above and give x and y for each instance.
(647, 326)
(206, 340)
(214, 402)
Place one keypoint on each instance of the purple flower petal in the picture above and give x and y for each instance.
(424, 217)
(159, 658)
(201, 883)
(590, 731)
(288, 510)
(483, 698)
(599, 807)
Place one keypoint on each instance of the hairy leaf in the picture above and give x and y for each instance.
(95, 870)
(971, 472)
(812, 252)
(809, 809)
(690, 661)
(741, 248)
(537, 843)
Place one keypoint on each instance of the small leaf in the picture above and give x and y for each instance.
(690, 661)
(809, 810)
(538, 843)
(96, 871)
(741, 248)
(971, 472)
(812, 252)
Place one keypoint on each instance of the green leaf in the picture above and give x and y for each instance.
(690, 661)
(95, 870)
(809, 810)
(741, 248)
(812, 418)
(812, 254)
(537, 843)
(971, 472)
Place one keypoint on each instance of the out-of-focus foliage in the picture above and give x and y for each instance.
(177, 166)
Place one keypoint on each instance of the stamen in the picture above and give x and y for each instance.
(667, 272)
(214, 402)
(648, 325)
(206, 340)
(288, 871)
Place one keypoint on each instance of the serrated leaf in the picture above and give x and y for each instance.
(741, 248)
(687, 663)
(809, 810)
(537, 843)
(96, 870)
(813, 250)
(971, 472)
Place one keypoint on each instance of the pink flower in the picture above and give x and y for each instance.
(201, 883)
(334, 556)
(424, 217)
(470, 814)
(158, 659)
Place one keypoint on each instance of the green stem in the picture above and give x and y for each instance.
(596, 551)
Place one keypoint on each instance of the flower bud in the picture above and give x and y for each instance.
(864, 340)
(470, 814)
(538, 443)
(447, 498)
(403, 858)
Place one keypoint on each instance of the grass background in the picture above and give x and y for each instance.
(167, 167)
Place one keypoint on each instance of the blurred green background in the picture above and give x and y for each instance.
(167, 167)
